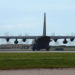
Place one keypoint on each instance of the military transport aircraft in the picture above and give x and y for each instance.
(39, 42)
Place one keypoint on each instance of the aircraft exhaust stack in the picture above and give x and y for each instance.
(44, 28)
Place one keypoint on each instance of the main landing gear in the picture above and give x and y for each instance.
(47, 49)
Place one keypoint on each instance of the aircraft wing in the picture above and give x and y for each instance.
(61, 37)
(19, 37)
(35, 37)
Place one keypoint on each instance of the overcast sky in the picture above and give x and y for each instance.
(26, 17)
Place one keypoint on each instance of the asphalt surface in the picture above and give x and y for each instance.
(39, 72)
(23, 51)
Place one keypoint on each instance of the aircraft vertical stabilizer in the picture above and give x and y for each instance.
(44, 28)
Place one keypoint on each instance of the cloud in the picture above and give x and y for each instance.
(16, 26)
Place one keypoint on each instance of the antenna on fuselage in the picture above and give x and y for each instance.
(44, 27)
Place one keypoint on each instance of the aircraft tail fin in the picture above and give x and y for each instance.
(44, 27)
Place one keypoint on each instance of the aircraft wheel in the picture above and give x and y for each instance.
(38, 49)
(47, 49)
(33, 49)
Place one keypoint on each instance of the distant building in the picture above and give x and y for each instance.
(15, 46)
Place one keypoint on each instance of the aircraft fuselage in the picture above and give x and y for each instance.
(41, 43)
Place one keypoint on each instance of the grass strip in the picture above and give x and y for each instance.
(36, 60)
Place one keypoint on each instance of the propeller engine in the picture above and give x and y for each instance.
(65, 41)
(7, 39)
(16, 41)
(24, 40)
(72, 39)
(55, 40)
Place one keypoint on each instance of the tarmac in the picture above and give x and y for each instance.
(24, 51)
(39, 72)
